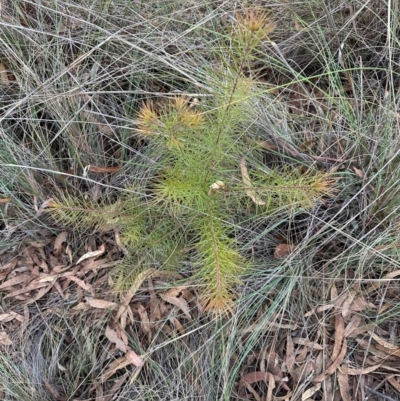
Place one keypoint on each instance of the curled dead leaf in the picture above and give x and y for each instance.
(359, 172)
(250, 191)
(112, 336)
(93, 254)
(343, 380)
(133, 358)
(310, 392)
(254, 377)
(216, 186)
(82, 284)
(178, 301)
(62, 237)
(335, 364)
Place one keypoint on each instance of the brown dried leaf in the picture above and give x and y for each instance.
(117, 385)
(382, 281)
(8, 317)
(9, 266)
(301, 373)
(307, 343)
(95, 265)
(44, 205)
(154, 307)
(334, 292)
(310, 392)
(82, 284)
(352, 325)
(392, 380)
(339, 336)
(4, 338)
(248, 185)
(283, 250)
(178, 326)
(100, 303)
(271, 386)
(254, 377)
(177, 301)
(22, 278)
(80, 306)
(361, 330)
(322, 308)
(387, 352)
(290, 356)
(380, 353)
(359, 172)
(346, 304)
(40, 294)
(119, 363)
(384, 343)
(332, 368)
(133, 358)
(391, 368)
(62, 237)
(341, 299)
(284, 397)
(252, 391)
(363, 371)
(130, 358)
(145, 322)
(301, 357)
(52, 390)
(101, 169)
(3, 73)
(93, 254)
(113, 338)
(343, 380)
(360, 304)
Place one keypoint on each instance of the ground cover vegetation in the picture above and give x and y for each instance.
(199, 200)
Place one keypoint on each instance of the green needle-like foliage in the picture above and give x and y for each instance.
(220, 264)
(201, 181)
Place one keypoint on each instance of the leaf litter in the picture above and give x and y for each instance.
(44, 271)
(348, 354)
(324, 367)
